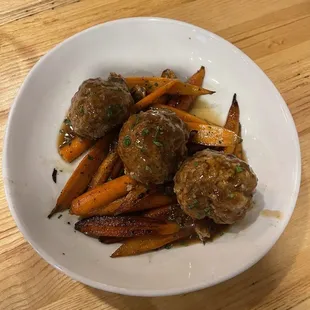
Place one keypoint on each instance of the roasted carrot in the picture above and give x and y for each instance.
(102, 195)
(232, 122)
(124, 226)
(186, 102)
(104, 170)
(186, 117)
(82, 175)
(107, 209)
(111, 240)
(239, 149)
(148, 100)
(132, 198)
(168, 73)
(70, 152)
(139, 245)
(154, 83)
(116, 171)
(213, 135)
(149, 201)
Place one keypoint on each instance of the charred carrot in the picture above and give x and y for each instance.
(124, 226)
(102, 195)
(232, 122)
(139, 245)
(82, 175)
(70, 152)
(148, 100)
(213, 135)
(239, 148)
(149, 201)
(104, 170)
(118, 167)
(186, 102)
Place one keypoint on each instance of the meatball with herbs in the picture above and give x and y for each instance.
(152, 145)
(99, 106)
(214, 185)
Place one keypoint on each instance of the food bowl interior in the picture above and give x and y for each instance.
(146, 46)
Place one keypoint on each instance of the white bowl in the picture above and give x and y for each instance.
(147, 46)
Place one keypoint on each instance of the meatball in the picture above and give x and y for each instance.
(214, 185)
(152, 145)
(99, 105)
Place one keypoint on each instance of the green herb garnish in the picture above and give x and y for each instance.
(168, 246)
(231, 195)
(81, 110)
(155, 141)
(145, 132)
(195, 163)
(147, 168)
(239, 169)
(67, 121)
(109, 112)
(207, 211)
(195, 204)
(126, 141)
(90, 157)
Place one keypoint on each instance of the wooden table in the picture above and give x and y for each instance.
(276, 35)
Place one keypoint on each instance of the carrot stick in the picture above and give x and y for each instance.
(107, 209)
(146, 101)
(213, 135)
(239, 149)
(82, 175)
(70, 152)
(232, 122)
(124, 226)
(154, 83)
(132, 198)
(101, 195)
(104, 170)
(186, 102)
(186, 117)
(117, 169)
(150, 201)
(139, 245)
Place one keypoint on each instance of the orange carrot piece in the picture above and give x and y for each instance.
(232, 122)
(186, 102)
(118, 167)
(102, 195)
(70, 152)
(148, 100)
(107, 209)
(213, 135)
(154, 83)
(239, 148)
(132, 198)
(104, 171)
(82, 175)
(139, 245)
(150, 201)
(186, 117)
(124, 226)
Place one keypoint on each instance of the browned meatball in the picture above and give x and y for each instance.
(152, 145)
(212, 184)
(99, 105)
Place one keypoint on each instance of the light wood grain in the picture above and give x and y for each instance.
(275, 34)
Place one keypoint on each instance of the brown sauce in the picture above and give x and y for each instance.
(66, 134)
(271, 213)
